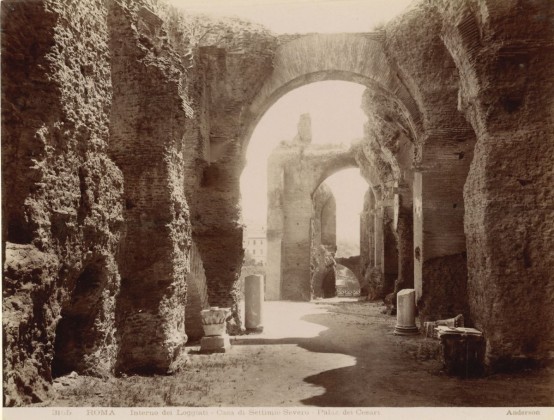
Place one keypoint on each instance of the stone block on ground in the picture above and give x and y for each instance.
(463, 351)
(215, 344)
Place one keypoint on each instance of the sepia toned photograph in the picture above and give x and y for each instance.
(277, 208)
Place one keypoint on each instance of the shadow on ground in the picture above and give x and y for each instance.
(387, 371)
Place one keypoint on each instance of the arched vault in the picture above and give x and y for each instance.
(306, 59)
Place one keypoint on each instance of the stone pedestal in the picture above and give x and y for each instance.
(463, 352)
(215, 344)
(405, 313)
(253, 302)
(213, 322)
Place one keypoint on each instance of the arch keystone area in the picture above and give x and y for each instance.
(358, 58)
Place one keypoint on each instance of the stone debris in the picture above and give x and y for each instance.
(430, 327)
(443, 330)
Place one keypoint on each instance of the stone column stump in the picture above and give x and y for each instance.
(253, 302)
(216, 339)
(405, 313)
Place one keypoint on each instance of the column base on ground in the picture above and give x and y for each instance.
(400, 330)
(215, 344)
(255, 330)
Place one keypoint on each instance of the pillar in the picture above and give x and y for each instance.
(275, 216)
(405, 313)
(379, 242)
(418, 236)
(253, 302)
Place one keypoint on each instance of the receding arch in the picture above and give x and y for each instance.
(333, 165)
(323, 256)
(347, 283)
(353, 264)
(302, 60)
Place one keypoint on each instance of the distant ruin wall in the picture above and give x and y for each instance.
(323, 238)
(292, 225)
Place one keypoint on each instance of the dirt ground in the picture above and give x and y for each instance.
(331, 353)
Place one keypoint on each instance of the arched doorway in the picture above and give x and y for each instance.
(360, 59)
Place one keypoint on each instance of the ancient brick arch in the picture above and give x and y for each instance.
(333, 164)
(311, 58)
(349, 288)
(353, 264)
(386, 163)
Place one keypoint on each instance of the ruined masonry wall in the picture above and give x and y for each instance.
(506, 94)
(62, 194)
(443, 153)
(197, 296)
(229, 71)
(146, 140)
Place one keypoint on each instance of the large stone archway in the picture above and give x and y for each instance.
(284, 64)
(359, 58)
(304, 59)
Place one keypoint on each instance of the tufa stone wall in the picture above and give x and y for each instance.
(505, 60)
(146, 141)
(62, 196)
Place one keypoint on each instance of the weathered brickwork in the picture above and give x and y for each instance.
(146, 141)
(505, 60)
(443, 149)
(323, 238)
